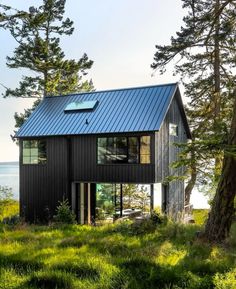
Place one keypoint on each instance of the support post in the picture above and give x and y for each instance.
(121, 200)
(89, 204)
(151, 197)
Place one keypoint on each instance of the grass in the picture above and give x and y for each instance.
(114, 256)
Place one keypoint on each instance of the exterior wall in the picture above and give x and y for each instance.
(167, 153)
(86, 169)
(72, 159)
(42, 186)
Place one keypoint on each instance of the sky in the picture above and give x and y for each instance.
(119, 36)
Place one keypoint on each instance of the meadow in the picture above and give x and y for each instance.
(124, 255)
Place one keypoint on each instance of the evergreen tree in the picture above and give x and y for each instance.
(223, 207)
(204, 51)
(38, 37)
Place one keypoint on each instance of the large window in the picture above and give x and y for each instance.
(126, 150)
(34, 152)
(115, 200)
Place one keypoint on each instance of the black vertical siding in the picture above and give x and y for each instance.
(42, 186)
(72, 159)
(86, 169)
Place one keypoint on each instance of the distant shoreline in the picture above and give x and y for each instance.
(9, 163)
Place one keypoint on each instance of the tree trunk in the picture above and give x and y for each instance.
(193, 178)
(222, 210)
(217, 90)
(190, 186)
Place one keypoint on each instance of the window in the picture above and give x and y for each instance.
(34, 152)
(173, 129)
(128, 150)
(145, 150)
(81, 106)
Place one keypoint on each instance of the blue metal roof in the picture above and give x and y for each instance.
(121, 110)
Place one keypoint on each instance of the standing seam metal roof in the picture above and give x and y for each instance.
(121, 110)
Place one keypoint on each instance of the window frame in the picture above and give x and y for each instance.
(127, 138)
(39, 163)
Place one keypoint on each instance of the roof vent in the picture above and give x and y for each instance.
(88, 105)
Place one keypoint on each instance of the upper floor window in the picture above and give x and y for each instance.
(173, 129)
(127, 150)
(34, 152)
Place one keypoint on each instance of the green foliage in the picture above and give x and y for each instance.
(226, 280)
(9, 208)
(200, 216)
(203, 52)
(64, 213)
(5, 194)
(156, 217)
(38, 37)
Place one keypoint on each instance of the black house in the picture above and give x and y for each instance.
(94, 148)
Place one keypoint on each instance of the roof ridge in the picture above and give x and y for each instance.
(113, 89)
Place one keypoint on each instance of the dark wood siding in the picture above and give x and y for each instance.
(42, 186)
(86, 169)
(167, 153)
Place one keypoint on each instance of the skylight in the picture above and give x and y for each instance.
(81, 105)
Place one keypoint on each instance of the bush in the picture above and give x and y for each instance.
(8, 209)
(64, 213)
(225, 281)
(156, 217)
(12, 220)
(5, 193)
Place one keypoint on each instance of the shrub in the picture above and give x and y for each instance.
(5, 193)
(225, 281)
(8, 206)
(12, 220)
(156, 217)
(142, 227)
(64, 213)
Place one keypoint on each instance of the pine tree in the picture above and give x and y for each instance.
(38, 37)
(223, 210)
(204, 51)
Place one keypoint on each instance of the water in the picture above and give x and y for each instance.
(9, 176)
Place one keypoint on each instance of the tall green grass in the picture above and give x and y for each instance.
(114, 256)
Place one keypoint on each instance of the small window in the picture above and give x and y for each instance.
(173, 129)
(34, 152)
(145, 154)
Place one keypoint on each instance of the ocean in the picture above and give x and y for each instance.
(9, 176)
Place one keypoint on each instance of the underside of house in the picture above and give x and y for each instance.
(108, 153)
(104, 202)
